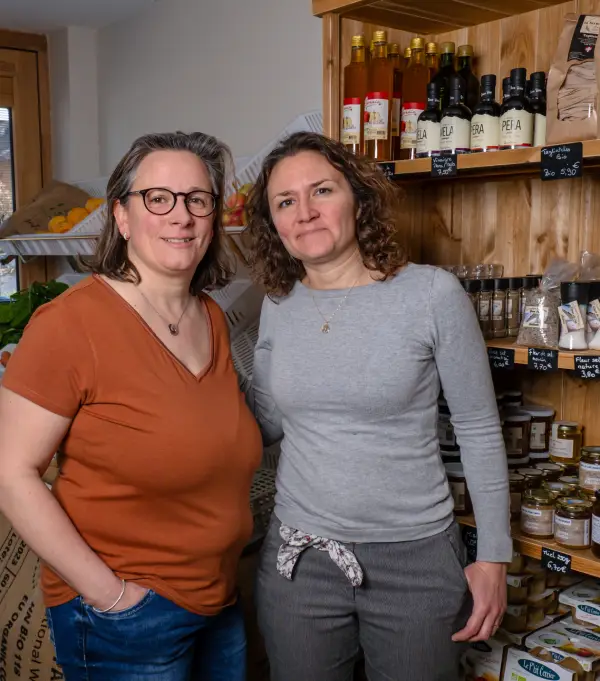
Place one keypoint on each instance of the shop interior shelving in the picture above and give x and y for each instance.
(566, 358)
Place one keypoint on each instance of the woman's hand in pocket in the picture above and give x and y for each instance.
(132, 595)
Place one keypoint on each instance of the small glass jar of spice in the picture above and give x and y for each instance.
(499, 307)
(565, 442)
(485, 307)
(472, 288)
(513, 306)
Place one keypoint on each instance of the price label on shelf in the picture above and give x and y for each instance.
(501, 358)
(444, 166)
(389, 170)
(587, 366)
(470, 541)
(540, 359)
(562, 161)
(555, 561)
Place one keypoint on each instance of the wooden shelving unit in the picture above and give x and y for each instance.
(492, 165)
(582, 561)
(566, 358)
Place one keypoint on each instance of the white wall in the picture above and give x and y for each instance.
(73, 56)
(237, 69)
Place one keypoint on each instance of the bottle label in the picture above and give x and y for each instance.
(537, 521)
(516, 128)
(485, 133)
(455, 135)
(484, 309)
(596, 529)
(572, 531)
(377, 111)
(593, 315)
(537, 441)
(351, 121)
(498, 314)
(562, 449)
(458, 492)
(589, 476)
(539, 130)
(535, 317)
(584, 39)
(409, 124)
(396, 114)
(428, 138)
(571, 317)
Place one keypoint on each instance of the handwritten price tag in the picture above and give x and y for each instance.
(587, 366)
(542, 360)
(389, 170)
(562, 161)
(555, 561)
(501, 358)
(444, 166)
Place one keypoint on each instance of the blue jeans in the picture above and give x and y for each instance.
(155, 640)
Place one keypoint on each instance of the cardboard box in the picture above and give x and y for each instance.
(565, 639)
(584, 601)
(485, 659)
(535, 665)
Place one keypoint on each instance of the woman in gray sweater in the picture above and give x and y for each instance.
(363, 550)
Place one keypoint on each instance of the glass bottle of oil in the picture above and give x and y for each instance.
(414, 98)
(378, 104)
(465, 69)
(394, 57)
(432, 59)
(407, 52)
(446, 71)
(355, 90)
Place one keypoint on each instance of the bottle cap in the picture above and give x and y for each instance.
(465, 51)
(417, 44)
(394, 49)
(431, 48)
(433, 91)
(501, 284)
(472, 285)
(538, 77)
(594, 290)
(407, 52)
(358, 41)
(456, 83)
(531, 281)
(518, 76)
(487, 284)
(571, 291)
(380, 36)
(372, 45)
(447, 48)
(515, 283)
(488, 81)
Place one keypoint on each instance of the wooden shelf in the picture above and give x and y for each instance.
(493, 164)
(433, 16)
(582, 561)
(566, 358)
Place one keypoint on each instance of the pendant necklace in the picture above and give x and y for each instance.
(326, 326)
(173, 328)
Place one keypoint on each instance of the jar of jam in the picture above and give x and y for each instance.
(572, 522)
(515, 460)
(550, 471)
(458, 487)
(556, 489)
(565, 442)
(512, 399)
(516, 484)
(589, 469)
(571, 482)
(516, 430)
(539, 457)
(570, 469)
(537, 513)
(541, 425)
(596, 526)
(533, 477)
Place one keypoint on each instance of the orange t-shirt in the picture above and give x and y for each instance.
(158, 462)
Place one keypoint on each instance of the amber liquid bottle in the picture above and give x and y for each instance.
(406, 60)
(356, 76)
(432, 60)
(414, 98)
(394, 57)
(378, 104)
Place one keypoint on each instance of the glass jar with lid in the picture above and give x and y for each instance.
(516, 431)
(556, 489)
(541, 425)
(537, 513)
(571, 482)
(458, 488)
(596, 526)
(516, 485)
(572, 522)
(589, 469)
(512, 399)
(533, 477)
(565, 442)
(550, 471)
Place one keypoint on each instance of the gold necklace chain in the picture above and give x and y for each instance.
(326, 326)
(173, 328)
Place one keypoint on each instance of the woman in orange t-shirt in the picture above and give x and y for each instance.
(130, 374)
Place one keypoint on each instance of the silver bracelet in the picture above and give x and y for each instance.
(114, 605)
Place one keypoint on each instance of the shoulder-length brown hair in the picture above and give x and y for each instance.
(376, 202)
(111, 258)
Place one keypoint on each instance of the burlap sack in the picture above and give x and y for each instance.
(55, 199)
(572, 91)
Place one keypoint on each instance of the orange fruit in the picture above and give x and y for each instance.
(93, 204)
(76, 215)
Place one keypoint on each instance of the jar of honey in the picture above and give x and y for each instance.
(565, 442)
(589, 469)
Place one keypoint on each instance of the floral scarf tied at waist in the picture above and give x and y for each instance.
(297, 542)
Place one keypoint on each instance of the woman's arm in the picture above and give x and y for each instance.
(258, 392)
(464, 370)
(29, 436)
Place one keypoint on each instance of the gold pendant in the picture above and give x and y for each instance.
(325, 328)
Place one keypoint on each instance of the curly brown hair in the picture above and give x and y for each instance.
(376, 200)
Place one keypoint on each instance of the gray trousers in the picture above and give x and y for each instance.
(413, 598)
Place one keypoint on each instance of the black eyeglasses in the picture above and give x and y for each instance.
(160, 201)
